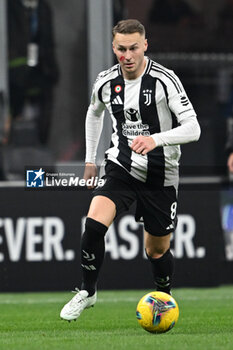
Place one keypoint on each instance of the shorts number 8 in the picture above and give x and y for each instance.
(173, 210)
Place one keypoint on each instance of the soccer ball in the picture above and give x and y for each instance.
(157, 312)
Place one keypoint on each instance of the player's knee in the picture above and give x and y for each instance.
(102, 210)
(155, 252)
(98, 217)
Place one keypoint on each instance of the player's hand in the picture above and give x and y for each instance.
(230, 162)
(90, 172)
(143, 144)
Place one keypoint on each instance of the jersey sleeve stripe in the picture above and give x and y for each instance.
(172, 78)
(149, 64)
(187, 110)
(100, 90)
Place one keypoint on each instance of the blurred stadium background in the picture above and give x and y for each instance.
(40, 229)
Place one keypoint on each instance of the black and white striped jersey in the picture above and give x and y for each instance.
(155, 104)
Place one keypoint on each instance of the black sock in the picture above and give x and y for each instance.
(92, 253)
(162, 269)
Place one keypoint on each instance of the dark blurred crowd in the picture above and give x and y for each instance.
(33, 70)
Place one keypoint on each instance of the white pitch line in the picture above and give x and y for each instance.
(60, 300)
(107, 300)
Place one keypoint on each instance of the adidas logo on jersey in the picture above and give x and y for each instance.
(170, 227)
(117, 101)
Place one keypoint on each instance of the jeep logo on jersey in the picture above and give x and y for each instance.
(132, 115)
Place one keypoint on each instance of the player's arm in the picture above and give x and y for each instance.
(230, 162)
(93, 129)
(229, 144)
(187, 131)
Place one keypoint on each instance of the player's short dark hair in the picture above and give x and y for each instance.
(128, 26)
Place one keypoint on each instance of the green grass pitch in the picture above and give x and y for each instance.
(30, 321)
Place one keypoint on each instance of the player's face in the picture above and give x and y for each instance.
(129, 50)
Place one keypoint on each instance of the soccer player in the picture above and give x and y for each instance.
(151, 116)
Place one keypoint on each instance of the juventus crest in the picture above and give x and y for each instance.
(147, 93)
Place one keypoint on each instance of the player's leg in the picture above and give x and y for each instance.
(110, 200)
(158, 208)
(101, 214)
(161, 259)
